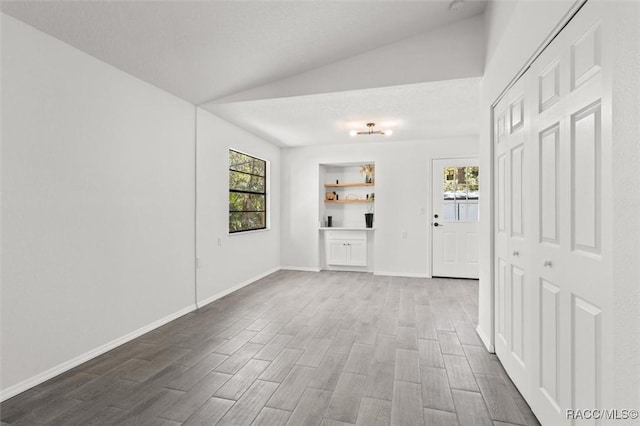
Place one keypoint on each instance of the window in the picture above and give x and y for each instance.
(460, 187)
(247, 192)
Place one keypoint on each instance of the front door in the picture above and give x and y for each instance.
(455, 218)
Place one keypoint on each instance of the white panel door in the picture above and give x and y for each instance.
(501, 223)
(550, 176)
(553, 304)
(572, 257)
(513, 232)
(455, 218)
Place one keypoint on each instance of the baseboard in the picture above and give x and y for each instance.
(230, 290)
(401, 274)
(485, 340)
(68, 365)
(300, 268)
(362, 269)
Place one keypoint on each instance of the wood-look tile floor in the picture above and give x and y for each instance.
(296, 348)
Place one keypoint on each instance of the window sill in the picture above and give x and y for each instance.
(253, 231)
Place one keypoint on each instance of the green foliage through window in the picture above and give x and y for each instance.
(247, 192)
(461, 182)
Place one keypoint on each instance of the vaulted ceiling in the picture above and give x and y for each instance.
(240, 59)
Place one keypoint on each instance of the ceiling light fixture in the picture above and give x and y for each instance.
(370, 126)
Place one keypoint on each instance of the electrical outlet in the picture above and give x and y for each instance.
(219, 242)
(423, 211)
(198, 264)
(404, 234)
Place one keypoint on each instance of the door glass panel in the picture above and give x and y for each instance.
(460, 194)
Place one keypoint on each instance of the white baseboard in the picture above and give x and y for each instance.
(68, 365)
(230, 290)
(300, 268)
(348, 269)
(401, 274)
(485, 340)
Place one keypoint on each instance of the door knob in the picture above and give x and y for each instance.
(548, 264)
(516, 253)
(437, 224)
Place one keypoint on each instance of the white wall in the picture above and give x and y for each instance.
(98, 205)
(626, 198)
(403, 188)
(238, 258)
(447, 53)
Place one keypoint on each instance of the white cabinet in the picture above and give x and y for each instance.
(347, 252)
(346, 248)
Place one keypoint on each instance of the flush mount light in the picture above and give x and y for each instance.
(370, 126)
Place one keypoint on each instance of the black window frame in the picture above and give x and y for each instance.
(237, 191)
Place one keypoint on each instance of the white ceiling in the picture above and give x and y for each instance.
(207, 50)
(203, 50)
(424, 111)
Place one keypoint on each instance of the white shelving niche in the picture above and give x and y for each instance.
(347, 245)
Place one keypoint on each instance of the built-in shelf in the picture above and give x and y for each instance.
(344, 185)
(347, 201)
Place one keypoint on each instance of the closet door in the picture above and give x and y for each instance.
(551, 196)
(519, 232)
(572, 254)
(500, 226)
(513, 232)
(553, 254)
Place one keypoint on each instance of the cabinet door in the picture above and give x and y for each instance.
(357, 252)
(337, 252)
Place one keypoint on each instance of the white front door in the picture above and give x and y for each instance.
(455, 218)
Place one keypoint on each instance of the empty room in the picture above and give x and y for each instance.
(320, 213)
